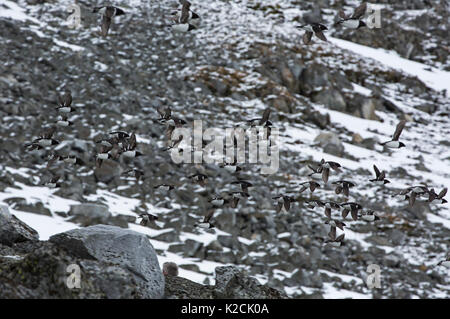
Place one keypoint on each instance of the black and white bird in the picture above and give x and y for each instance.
(235, 197)
(379, 177)
(261, 120)
(218, 201)
(199, 178)
(71, 160)
(53, 182)
(244, 185)
(329, 206)
(395, 143)
(108, 13)
(283, 204)
(313, 28)
(343, 187)
(352, 208)
(120, 135)
(45, 139)
(164, 187)
(414, 192)
(335, 241)
(182, 20)
(445, 262)
(336, 223)
(129, 147)
(314, 203)
(353, 21)
(65, 102)
(369, 216)
(63, 121)
(433, 196)
(312, 185)
(206, 222)
(325, 168)
(134, 172)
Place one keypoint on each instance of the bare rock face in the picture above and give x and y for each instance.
(12, 230)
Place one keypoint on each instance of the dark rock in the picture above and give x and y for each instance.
(13, 230)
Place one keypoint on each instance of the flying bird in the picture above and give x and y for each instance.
(129, 147)
(329, 206)
(353, 208)
(343, 187)
(335, 241)
(369, 216)
(244, 185)
(433, 196)
(379, 177)
(108, 13)
(206, 222)
(395, 143)
(313, 28)
(262, 120)
(65, 102)
(199, 178)
(353, 21)
(182, 21)
(45, 139)
(312, 185)
(325, 168)
(283, 203)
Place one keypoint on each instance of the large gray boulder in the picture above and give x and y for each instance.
(128, 249)
(13, 230)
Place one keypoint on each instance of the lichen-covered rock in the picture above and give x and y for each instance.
(232, 283)
(125, 248)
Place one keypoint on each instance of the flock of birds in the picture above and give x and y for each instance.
(120, 143)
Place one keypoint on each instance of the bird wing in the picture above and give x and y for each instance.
(265, 116)
(208, 216)
(325, 174)
(132, 142)
(398, 130)
(360, 11)
(332, 233)
(342, 14)
(287, 203)
(48, 133)
(184, 13)
(307, 37)
(67, 99)
(106, 22)
(377, 171)
(340, 237)
(442, 193)
(320, 35)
